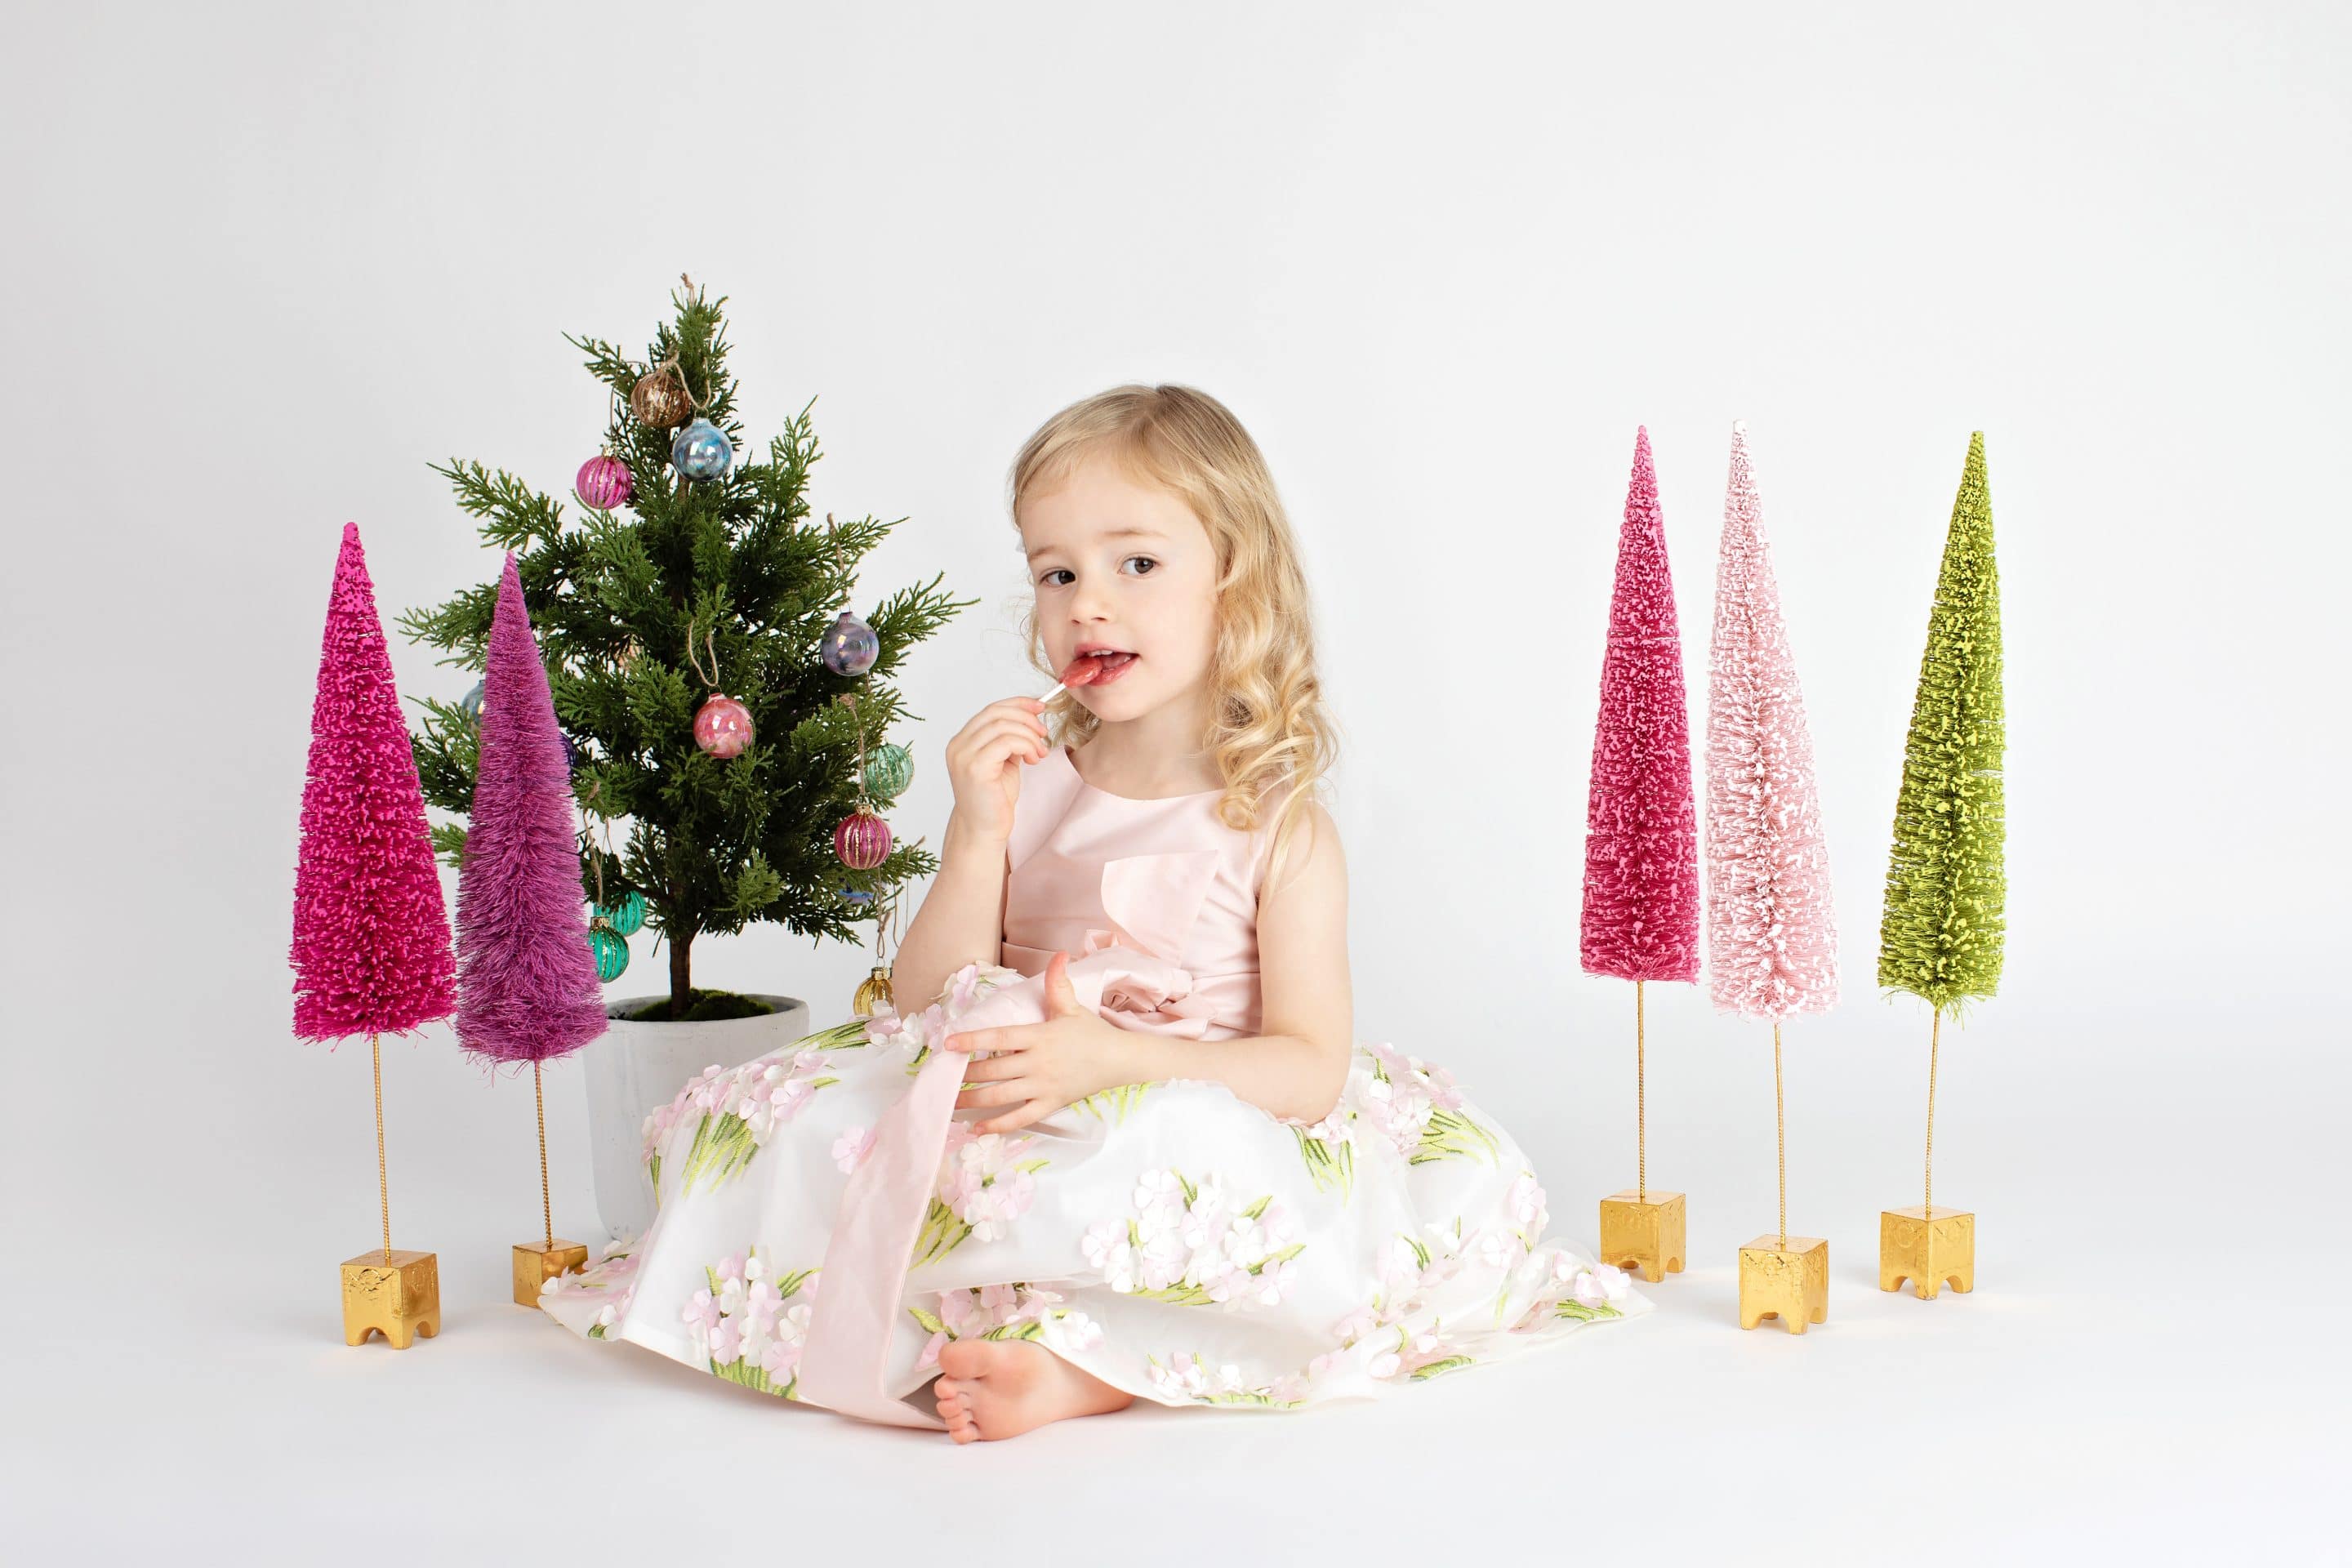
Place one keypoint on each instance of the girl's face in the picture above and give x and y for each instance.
(1118, 564)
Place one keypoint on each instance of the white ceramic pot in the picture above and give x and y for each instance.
(634, 1067)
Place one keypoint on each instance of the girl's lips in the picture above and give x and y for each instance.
(1096, 669)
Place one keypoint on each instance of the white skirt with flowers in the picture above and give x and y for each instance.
(1172, 1238)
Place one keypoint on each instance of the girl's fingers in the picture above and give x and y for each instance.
(1006, 1039)
(1001, 742)
(1012, 1119)
(1011, 1093)
(993, 1067)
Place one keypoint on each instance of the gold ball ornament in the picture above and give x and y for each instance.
(661, 399)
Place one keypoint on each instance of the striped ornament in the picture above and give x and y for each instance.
(889, 769)
(604, 482)
(612, 953)
(863, 841)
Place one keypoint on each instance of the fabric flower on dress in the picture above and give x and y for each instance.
(1417, 1108)
(749, 1325)
(1188, 1243)
(1418, 1355)
(985, 1182)
(1006, 1312)
(1187, 1377)
(849, 1150)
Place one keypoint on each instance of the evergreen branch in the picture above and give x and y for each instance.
(512, 514)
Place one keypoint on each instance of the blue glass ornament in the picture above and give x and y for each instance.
(850, 647)
(889, 769)
(573, 755)
(612, 953)
(700, 451)
(472, 701)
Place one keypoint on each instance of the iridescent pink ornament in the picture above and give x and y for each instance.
(863, 840)
(723, 727)
(604, 482)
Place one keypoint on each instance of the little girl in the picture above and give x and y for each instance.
(1132, 1149)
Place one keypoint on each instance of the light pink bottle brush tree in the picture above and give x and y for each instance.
(1771, 933)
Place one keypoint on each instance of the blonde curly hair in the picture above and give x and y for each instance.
(1271, 734)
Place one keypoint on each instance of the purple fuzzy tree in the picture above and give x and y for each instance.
(527, 985)
(1641, 846)
(370, 948)
(1772, 936)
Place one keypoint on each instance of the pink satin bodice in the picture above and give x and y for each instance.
(1166, 877)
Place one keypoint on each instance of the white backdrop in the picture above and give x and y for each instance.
(267, 262)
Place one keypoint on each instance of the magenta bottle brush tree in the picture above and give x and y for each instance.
(527, 985)
(1641, 846)
(370, 948)
(1772, 934)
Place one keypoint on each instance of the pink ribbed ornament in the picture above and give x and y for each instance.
(1771, 936)
(1641, 846)
(527, 985)
(604, 482)
(862, 841)
(371, 949)
(722, 727)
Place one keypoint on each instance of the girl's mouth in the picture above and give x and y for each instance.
(1102, 669)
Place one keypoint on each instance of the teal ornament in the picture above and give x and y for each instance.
(627, 917)
(700, 451)
(612, 953)
(889, 769)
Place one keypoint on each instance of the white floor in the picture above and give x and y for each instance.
(2145, 1368)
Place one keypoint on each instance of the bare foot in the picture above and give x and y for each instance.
(999, 1388)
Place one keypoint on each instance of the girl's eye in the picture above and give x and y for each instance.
(1148, 564)
(1053, 572)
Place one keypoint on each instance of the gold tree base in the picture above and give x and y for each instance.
(397, 1295)
(1790, 1283)
(1929, 1252)
(1642, 1234)
(537, 1262)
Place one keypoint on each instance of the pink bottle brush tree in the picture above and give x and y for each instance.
(1641, 845)
(1772, 936)
(370, 948)
(527, 984)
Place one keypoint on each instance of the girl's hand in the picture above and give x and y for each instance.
(985, 763)
(1041, 1068)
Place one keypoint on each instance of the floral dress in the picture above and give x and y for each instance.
(827, 1220)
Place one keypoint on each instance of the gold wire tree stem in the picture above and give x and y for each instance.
(1641, 1102)
(546, 1195)
(1781, 1126)
(1935, 1034)
(382, 1168)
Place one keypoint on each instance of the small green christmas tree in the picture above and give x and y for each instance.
(1940, 937)
(728, 574)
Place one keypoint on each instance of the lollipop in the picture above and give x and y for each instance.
(1086, 669)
